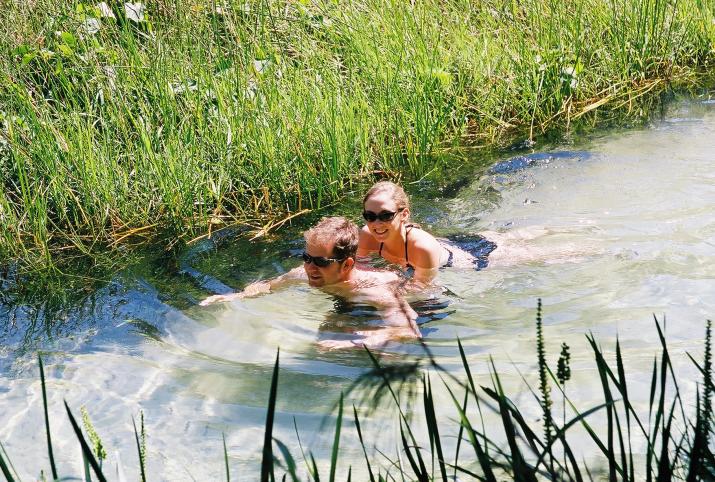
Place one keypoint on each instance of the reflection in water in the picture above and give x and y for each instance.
(606, 235)
(342, 326)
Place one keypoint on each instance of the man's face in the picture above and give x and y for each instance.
(335, 272)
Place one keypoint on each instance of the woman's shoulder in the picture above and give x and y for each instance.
(424, 249)
(421, 240)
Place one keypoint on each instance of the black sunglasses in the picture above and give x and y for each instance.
(319, 261)
(384, 216)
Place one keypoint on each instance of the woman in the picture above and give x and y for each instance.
(389, 234)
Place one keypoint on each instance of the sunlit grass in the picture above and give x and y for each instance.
(115, 129)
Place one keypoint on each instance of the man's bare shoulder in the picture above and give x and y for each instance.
(378, 276)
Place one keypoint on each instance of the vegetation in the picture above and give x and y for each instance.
(676, 446)
(121, 122)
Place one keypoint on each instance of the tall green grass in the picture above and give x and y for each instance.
(202, 113)
(675, 437)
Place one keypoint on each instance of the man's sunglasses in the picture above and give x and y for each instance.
(320, 261)
(384, 216)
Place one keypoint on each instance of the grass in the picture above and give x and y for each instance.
(676, 445)
(118, 129)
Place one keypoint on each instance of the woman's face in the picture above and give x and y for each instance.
(383, 204)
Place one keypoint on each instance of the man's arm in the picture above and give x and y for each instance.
(398, 315)
(394, 310)
(259, 287)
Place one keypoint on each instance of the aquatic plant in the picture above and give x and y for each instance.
(96, 442)
(544, 387)
(677, 447)
(140, 439)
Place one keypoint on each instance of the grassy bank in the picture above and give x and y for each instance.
(118, 125)
(655, 434)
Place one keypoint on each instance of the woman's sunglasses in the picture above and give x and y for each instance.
(319, 261)
(384, 216)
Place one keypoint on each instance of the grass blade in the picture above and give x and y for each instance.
(433, 429)
(622, 387)
(578, 418)
(225, 458)
(395, 398)
(665, 471)
(267, 462)
(522, 471)
(336, 441)
(314, 468)
(531, 437)
(290, 461)
(4, 466)
(47, 420)
(87, 475)
(422, 475)
(362, 443)
(140, 453)
(603, 370)
(484, 462)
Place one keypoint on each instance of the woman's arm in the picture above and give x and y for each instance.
(425, 257)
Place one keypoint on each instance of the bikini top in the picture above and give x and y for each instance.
(407, 259)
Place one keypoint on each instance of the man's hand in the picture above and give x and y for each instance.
(374, 339)
(254, 289)
(220, 298)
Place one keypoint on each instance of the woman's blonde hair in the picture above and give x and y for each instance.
(396, 193)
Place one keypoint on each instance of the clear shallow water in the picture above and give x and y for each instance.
(608, 233)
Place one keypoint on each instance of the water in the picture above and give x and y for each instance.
(607, 231)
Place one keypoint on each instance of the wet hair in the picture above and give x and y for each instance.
(396, 193)
(336, 229)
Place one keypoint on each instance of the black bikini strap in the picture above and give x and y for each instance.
(407, 231)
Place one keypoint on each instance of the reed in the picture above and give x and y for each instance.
(117, 129)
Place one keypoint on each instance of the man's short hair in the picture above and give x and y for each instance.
(338, 229)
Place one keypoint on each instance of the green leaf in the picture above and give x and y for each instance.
(22, 50)
(27, 58)
(65, 49)
(443, 77)
(68, 39)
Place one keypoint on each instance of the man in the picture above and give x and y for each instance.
(329, 265)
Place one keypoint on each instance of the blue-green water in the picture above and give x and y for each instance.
(607, 231)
